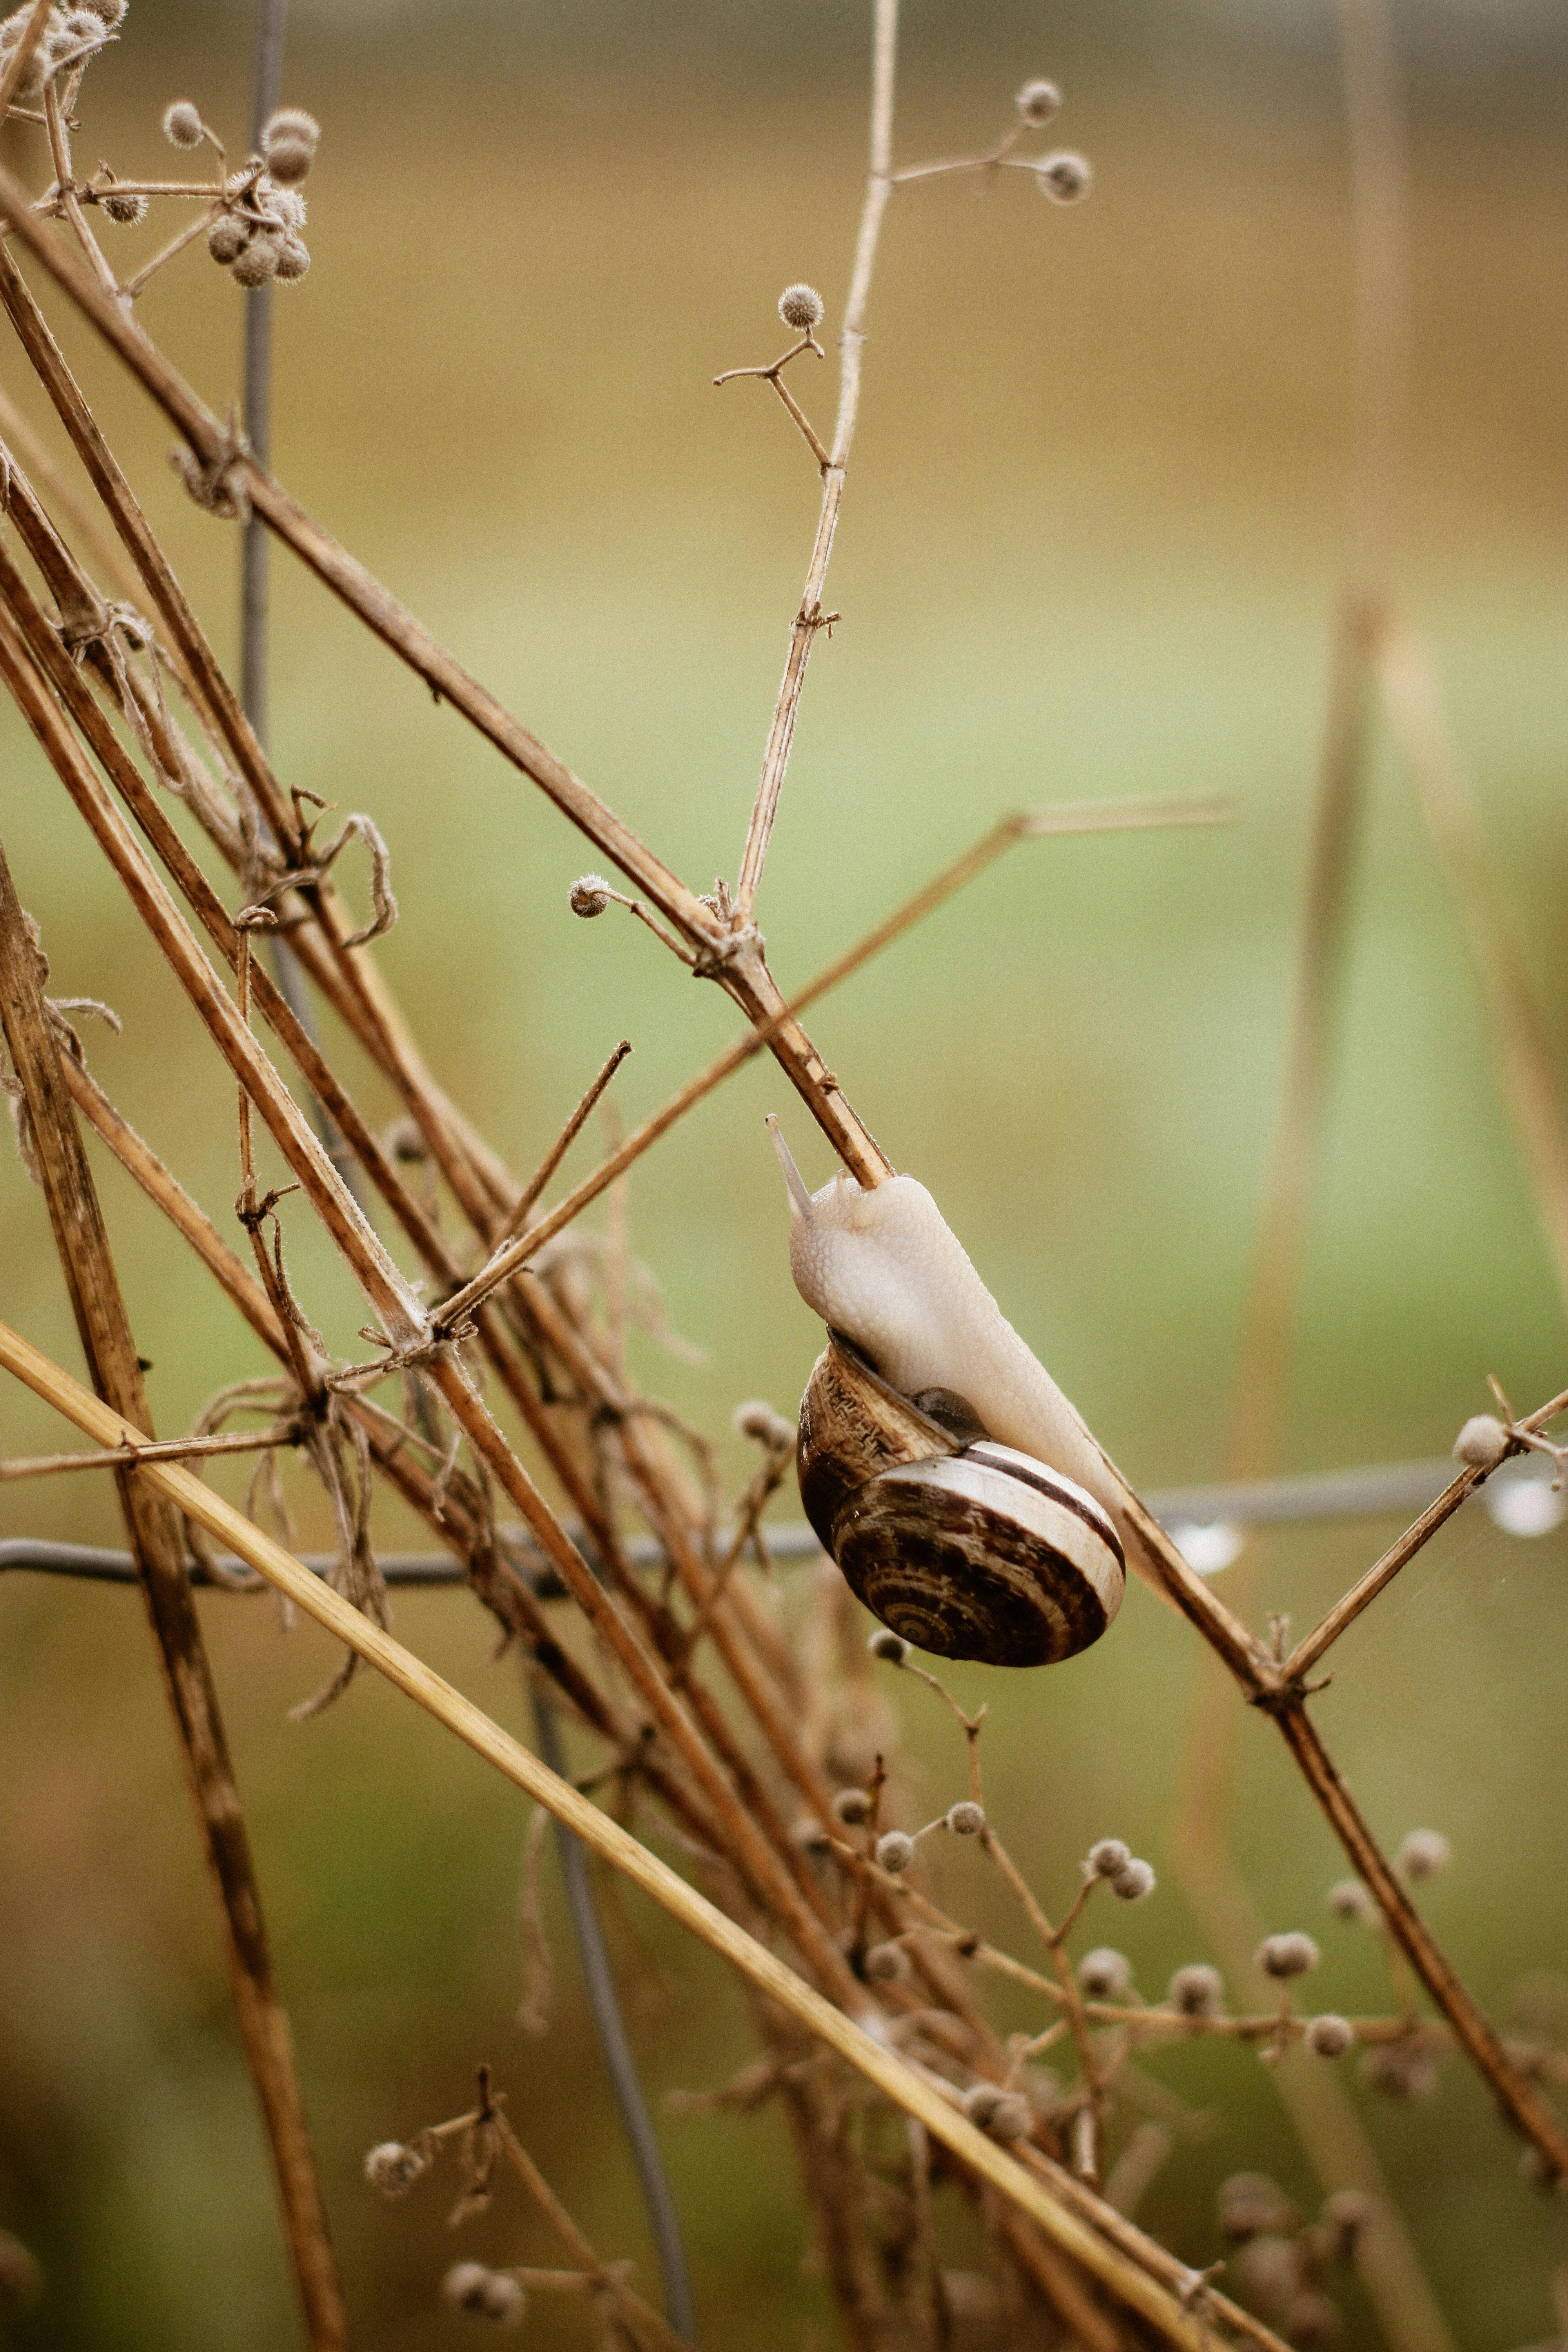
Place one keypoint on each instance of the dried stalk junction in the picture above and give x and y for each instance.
(91, 679)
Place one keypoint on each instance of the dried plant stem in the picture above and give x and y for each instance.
(155, 1538)
(648, 2321)
(339, 1213)
(1344, 1612)
(1129, 2274)
(172, 1449)
(851, 343)
(557, 1153)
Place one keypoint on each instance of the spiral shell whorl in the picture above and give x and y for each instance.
(968, 1552)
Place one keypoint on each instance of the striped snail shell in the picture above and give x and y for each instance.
(966, 1547)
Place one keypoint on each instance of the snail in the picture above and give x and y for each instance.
(940, 1464)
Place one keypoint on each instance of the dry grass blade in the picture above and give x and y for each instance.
(1139, 2287)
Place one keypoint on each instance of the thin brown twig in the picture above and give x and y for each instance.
(557, 1153)
(172, 1449)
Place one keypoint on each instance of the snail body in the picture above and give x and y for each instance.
(939, 1464)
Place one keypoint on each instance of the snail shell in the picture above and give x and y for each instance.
(966, 1547)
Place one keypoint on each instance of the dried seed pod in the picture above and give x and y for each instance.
(1198, 1990)
(1290, 1954)
(1037, 101)
(1103, 1974)
(183, 124)
(1064, 178)
(126, 211)
(801, 307)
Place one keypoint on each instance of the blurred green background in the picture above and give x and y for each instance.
(1089, 548)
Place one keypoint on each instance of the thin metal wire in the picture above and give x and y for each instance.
(603, 1999)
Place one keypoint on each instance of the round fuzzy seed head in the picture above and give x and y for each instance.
(1108, 1856)
(1291, 1955)
(852, 1806)
(82, 29)
(1424, 1853)
(1350, 1900)
(1104, 1974)
(1482, 1442)
(890, 1647)
(966, 1819)
(1064, 178)
(810, 1836)
(182, 124)
(1250, 2204)
(589, 896)
(257, 260)
(501, 2300)
(289, 143)
(289, 160)
(110, 13)
(1198, 1990)
(800, 307)
(895, 1851)
(1331, 2037)
(287, 207)
(759, 1420)
(1010, 2118)
(464, 2284)
(886, 1964)
(126, 210)
(227, 237)
(980, 2102)
(392, 2169)
(1037, 101)
(1134, 1881)
(293, 261)
(1400, 2069)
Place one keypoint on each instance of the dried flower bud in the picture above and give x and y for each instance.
(1403, 2070)
(892, 1648)
(1290, 1954)
(1482, 1442)
(1349, 1899)
(589, 896)
(392, 2169)
(126, 210)
(1345, 2215)
(1037, 101)
(293, 261)
(886, 1964)
(463, 2282)
(801, 307)
(1198, 1990)
(1064, 178)
(182, 124)
(1308, 2319)
(811, 1836)
(1134, 1881)
(895, 1851)
(1250, 2204)
(503, 2300)
(759, 1420)
(966, 1819)
(489, 2295)
(1268, 2271)
(852, 1806)
(256, 261)
(109, 13)
(1424, 1853)
(1329, 2036)
(1012, 2117)
(289, 143)
(1104, 1974)
(1106, 1858)
(980, 2102)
